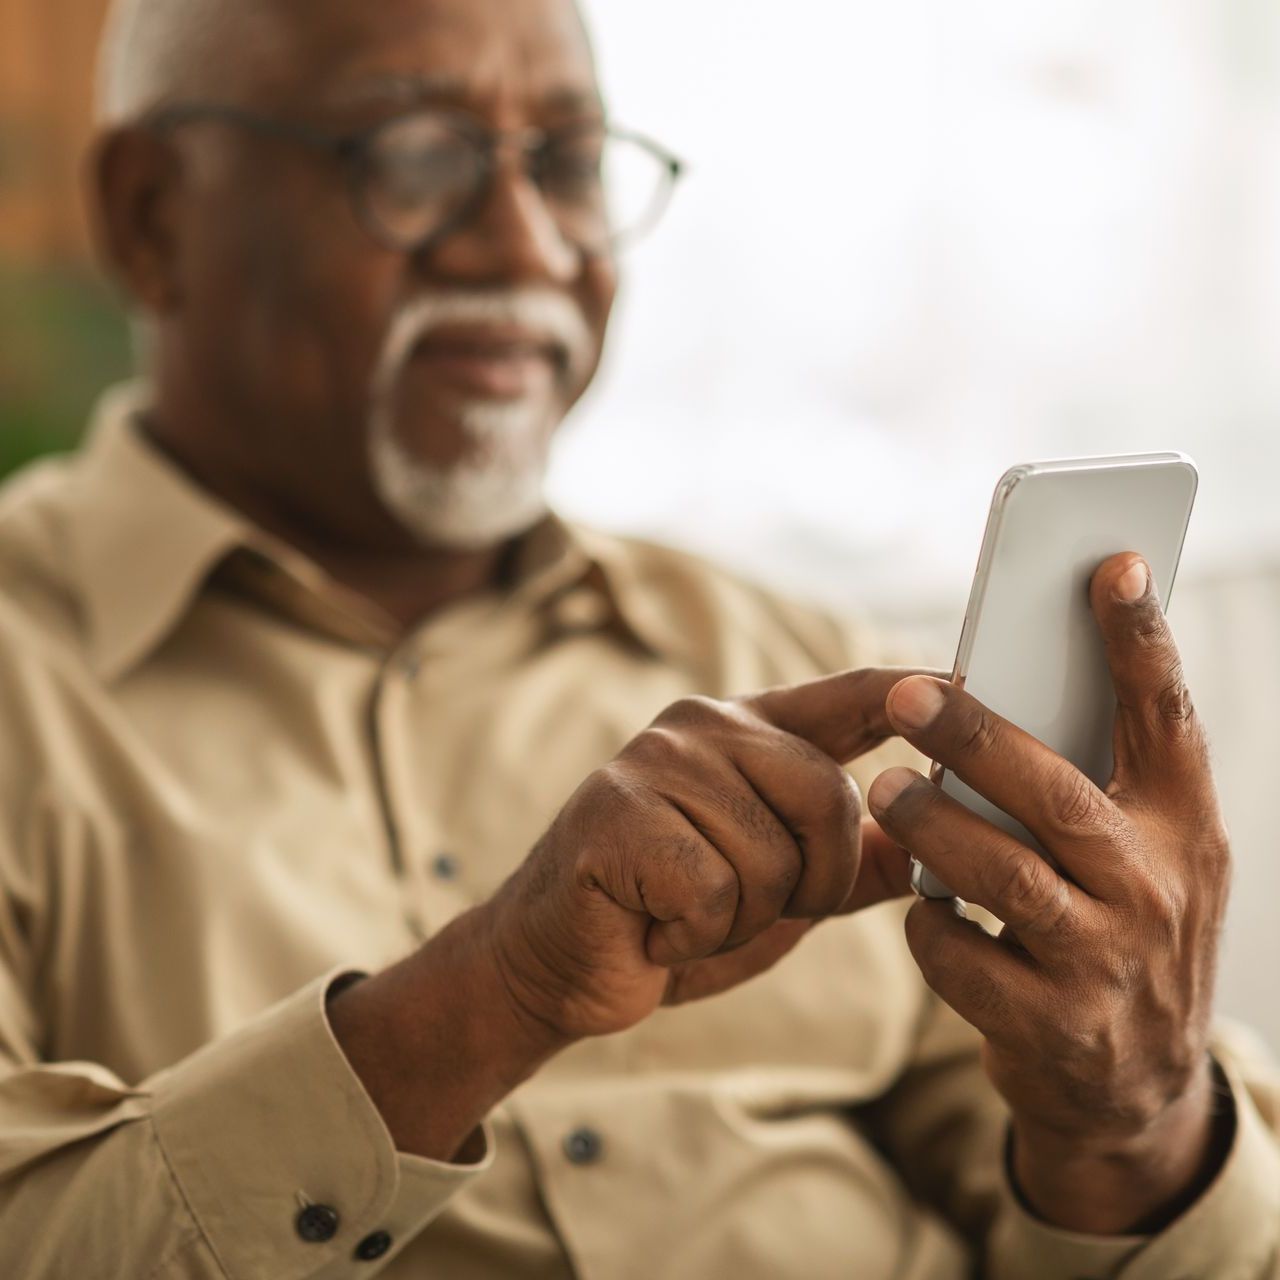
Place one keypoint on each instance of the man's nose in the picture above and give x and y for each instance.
(510, 238)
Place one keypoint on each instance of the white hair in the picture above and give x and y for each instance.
(157, 49)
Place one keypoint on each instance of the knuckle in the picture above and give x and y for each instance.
(752, 817)
(694, 710)
(610, 790)
(597, 865)
(1150, 630)
(717, 887)
(688, 855)
(1216, 856)
(684, 881)
(613, 776)
(978, 733)
(782, 880)
(1074, 801)
(1175, 708)
(779, 883)
(837, 799)
(863, 681)
(1029, 892)
(658, 747)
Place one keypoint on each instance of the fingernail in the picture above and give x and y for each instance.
(1132, 586)
(916, 702)
(888, 787)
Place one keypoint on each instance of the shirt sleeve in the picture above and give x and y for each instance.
(1232, 1232)
(944, 1128)
(259, 1155)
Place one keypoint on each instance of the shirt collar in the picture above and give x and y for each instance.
(145, 539)
(143, 536)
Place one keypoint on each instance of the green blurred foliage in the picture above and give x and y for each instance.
(63, 339)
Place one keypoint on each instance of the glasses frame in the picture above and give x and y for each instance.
(352, 151)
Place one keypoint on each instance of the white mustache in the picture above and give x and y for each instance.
(555, 318)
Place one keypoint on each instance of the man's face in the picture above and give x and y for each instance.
(367, 389)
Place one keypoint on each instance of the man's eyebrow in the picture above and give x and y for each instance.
(574, 101)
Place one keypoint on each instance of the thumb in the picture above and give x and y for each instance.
(843, 715)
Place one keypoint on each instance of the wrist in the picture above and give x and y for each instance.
(1131, 1184)
(437, 1040)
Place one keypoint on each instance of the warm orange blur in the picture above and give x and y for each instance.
(47, 51)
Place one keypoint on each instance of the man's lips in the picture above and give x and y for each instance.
(501, 363)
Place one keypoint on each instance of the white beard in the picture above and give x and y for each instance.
(495, 493)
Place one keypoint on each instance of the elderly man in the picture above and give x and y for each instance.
(314, 961)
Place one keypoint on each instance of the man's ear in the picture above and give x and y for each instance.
(133, 187)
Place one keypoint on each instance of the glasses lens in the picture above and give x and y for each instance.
(604, 189)
(419, 173)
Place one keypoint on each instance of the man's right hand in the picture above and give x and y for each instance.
(698, 856)
(691, 862)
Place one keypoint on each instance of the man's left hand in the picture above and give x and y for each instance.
(1095, 1001)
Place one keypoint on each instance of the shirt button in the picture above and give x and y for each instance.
(317, 1223)
(372, 1247)
(444, 866)
(584, 1146)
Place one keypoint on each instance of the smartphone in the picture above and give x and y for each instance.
(1030, 648)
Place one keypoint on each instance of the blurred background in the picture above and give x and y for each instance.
(919, 243)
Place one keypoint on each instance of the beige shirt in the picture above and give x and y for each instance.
(224, 781)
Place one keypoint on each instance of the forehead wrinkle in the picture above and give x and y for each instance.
(393, 90)
(414, 50)
(396, 89)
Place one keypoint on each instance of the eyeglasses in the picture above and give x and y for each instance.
(418, 176)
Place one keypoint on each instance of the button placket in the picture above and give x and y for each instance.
(430, 870)
(387, 729)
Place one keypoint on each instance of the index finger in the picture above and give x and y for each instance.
(1156, 725)
(1061, 808)
(842, 715)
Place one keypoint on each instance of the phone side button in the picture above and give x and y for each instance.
(926, 884)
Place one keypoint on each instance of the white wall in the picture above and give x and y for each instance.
(923, 241)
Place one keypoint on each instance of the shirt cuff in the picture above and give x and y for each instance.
(281, 1155)
(1231, 1232)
